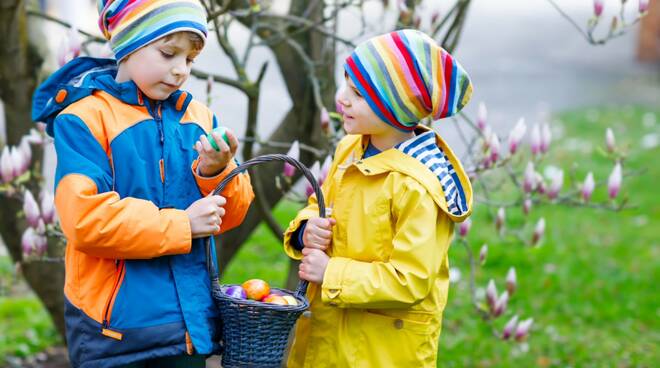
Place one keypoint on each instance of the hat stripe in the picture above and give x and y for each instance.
(131, 24)
(412, 69)
(405, 83)
(404, 105)
(448, 78)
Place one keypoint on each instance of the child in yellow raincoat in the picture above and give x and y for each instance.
(378, 268)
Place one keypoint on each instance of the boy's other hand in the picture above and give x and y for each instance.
(318, 233)
(211, 162)
(206, 215)
(313, 265)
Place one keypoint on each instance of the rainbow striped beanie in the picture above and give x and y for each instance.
(405, 77)
(132, 24)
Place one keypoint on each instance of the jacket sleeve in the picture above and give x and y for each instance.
(420, 243)
(238, 192)
(94, 219)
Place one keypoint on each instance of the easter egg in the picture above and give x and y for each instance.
(290, 300)
(236, 292)
(275, 299)
(223, 132)
(256, 289)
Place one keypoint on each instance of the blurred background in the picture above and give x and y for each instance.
(588, 285)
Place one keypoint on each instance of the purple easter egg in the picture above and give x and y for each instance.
(236, 292)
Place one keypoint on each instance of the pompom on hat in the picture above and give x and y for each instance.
(132, 24)
(405, 77)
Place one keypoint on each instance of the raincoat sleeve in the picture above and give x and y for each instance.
(94, 219)
(238, 192)
(420, 242)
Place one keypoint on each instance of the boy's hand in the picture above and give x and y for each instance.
(313, 265)
(318, 233)
(211, 162)
(206, 215)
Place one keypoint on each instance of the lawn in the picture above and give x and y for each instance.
(589, 286)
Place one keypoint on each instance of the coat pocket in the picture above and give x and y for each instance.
(398, 338)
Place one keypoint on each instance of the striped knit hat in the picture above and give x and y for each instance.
(132, 24)
(405, 77)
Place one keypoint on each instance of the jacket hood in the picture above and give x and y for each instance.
(78, 79)
(429, 160)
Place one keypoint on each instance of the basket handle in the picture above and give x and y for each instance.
(301, 290)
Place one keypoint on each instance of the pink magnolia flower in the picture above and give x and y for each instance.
(556, 184)
(511, 281)
(527, 206)
(546, 138)
(483, 253)
(325, 119)
(491, 294)
(610, 141)
(522, 330)
(494, 148)
(643, 6)
(614, 181)
(482, 115)
(598, 7)
(464, 228)
(529, 181)
(47, 207)
(31, 209)
(509, 328)
(588, 187)
(28, 242)
(535, 140)
(539, 231)
(499, 219)
(6, 165)
(516, 135)
(18, 162)
(501, 304)
(294, 152)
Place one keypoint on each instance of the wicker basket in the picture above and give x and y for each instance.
(255, 334)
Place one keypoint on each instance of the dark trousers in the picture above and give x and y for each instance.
(180, 361)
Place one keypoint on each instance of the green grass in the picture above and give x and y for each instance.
(25, 327)
(589, 286)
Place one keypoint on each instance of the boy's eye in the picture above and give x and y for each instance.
(166, 55)
(356, 92)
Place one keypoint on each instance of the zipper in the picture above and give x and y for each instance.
(107, 311)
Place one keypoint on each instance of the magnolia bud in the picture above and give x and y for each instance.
(610, 142)
(527, 206)
(31, 209)
(614, 181)
(511, 281)
(546, 138)
(483, 253)
(509, 327)
(529, 181)
(588, 187)
(491, 294)
(28, 242)
(535, 140)
(556, 184)
(294, 152)
(6, 165)
(494, 148)
(522, 330)
(464, 228)
(47, 207)
(539, 231)
(516, 135)
(482, 115)
(501, 304)
(643, 6)
(598, 7)
(499, 220)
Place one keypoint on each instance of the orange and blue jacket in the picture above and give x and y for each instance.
(137, 285)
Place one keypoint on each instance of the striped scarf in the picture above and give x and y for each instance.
(132, 24)
(405, 77)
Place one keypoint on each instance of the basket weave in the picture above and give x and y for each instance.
(255, 334)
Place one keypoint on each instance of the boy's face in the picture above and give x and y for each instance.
(359, 118)
(161, 67)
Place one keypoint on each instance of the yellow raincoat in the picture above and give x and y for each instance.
(386, 284)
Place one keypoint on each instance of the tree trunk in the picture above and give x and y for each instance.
(19, 68)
